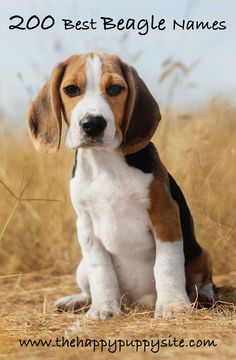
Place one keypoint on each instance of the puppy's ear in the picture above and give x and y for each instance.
(142, 113)
(44, 118)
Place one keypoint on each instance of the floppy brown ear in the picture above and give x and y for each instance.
(44, 118)
(142, 113)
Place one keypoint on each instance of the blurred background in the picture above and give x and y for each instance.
(204, 59)
(192, 75)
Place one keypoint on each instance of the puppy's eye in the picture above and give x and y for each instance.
(72, 90)
(114, 90)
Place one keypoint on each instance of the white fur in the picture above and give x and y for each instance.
(101, 275)
(92, 103)
(170, 277)
(111, 200)
(120, 253)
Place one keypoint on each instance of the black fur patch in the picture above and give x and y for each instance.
(191, 247)
(144, 159)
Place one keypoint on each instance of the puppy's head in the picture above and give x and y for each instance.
(103, 101)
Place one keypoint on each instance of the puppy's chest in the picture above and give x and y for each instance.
(116, 198)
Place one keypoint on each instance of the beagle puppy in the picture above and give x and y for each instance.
(134, 226)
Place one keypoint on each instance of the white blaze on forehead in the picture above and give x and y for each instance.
(93, 74)
(92, 103)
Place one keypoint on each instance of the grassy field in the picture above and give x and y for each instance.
(39, 250)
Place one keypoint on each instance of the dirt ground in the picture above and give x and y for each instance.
(27, 312)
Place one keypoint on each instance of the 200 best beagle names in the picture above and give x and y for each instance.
(141, 26)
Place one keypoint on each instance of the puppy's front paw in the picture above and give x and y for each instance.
(104, 311)
(169, 307)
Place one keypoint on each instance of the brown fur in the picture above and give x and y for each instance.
(142, 113)
(164, 215)
(44, 119)
(74, 74)
(164, 212)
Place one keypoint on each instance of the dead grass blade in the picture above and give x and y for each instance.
(18, 199)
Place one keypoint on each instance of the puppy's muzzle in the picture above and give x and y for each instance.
(93, 126)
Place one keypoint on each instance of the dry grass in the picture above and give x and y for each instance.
(27, 312)
(39, 243)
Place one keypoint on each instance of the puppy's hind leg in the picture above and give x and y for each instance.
(199, 281)
(79, 301)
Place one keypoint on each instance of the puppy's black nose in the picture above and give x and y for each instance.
(94, 125)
